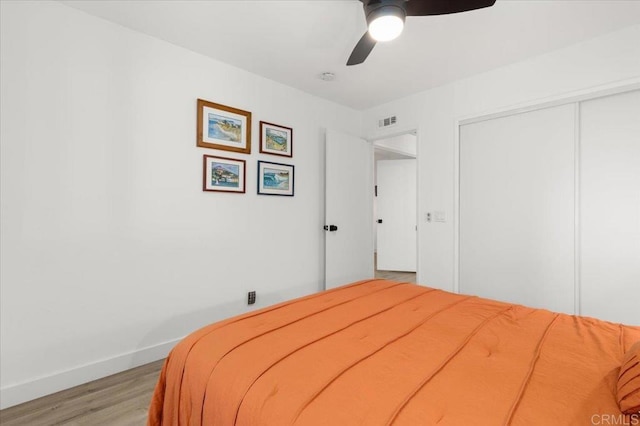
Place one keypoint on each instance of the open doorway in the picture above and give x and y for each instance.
(395, 207)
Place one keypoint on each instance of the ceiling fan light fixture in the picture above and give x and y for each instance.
(385, 19)
(386, 23)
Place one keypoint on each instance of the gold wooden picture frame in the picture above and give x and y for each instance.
(223, 127)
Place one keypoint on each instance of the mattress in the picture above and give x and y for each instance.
(379, 352)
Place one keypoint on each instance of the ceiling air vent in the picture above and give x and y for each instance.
(388, 121)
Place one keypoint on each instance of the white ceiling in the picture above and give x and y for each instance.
(294, 41)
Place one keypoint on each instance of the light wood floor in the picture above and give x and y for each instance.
(409, 277)
(118, 400)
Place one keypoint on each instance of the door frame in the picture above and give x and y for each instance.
(574, 97)
(416, 133)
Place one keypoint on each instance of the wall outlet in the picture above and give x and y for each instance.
(251, 297)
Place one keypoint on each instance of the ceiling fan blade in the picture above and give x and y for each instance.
(362, 50)
(442, 7)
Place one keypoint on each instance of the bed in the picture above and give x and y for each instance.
(379, 352)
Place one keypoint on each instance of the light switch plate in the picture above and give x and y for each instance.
(440, 216)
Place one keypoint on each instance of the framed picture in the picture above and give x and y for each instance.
(276, 140)
(223, 174)
(275, 179)
(223, 127)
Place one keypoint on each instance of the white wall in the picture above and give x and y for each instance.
(605, 60)
(110, 249)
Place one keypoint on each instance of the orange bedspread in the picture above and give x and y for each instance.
(380, 352)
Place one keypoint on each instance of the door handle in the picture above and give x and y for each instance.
(330, 228)
(379, 220)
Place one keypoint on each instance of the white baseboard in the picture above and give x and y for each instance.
(27, 391)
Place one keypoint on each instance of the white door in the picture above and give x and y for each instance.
(517, 208)
(396, 215)
(348, 201)
(610, 207)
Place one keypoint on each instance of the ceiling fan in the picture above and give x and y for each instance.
(385, 19)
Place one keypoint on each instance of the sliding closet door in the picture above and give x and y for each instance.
(610, 207)
(517, 208)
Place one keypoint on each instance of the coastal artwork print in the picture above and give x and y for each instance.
(223, 174)
(276, 139)
(223, 127)
(275, 179)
